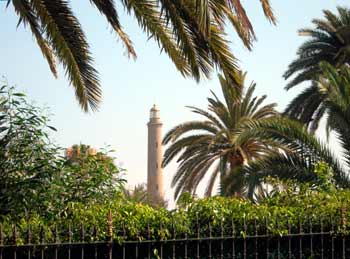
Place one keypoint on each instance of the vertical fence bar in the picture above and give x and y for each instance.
(149, 243)
(14, 236)
(198, 236)
(244, 238)
(289, 240)
(210, 239)
(222, 239)
(256, 240)
(186, 241)
(137, 244)
(56, 241)
(161, 241)
(29, 241)
(124, 238)
(174, 241)
(110, 234)
(267, 238)
(233, 239)
(300, 239)
(278, 240)
(1, 241)
(42, 241)
(332, 237)
(82, 240)
(95, 234)
(69, 240)
(322, 235)
(343, 224)
(311, 239)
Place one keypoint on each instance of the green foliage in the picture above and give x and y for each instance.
(88, 179)
(133, 220)
(28, 159)
(325, 177)
(34, 178)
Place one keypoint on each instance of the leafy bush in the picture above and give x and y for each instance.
(136, 221)
(35, 180)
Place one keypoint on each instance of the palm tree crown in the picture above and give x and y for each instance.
(215, 145)
(305, 150)
(329, 41)
(191, 33)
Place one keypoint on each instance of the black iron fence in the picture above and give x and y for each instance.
(306, 240)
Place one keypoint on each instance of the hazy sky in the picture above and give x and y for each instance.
(131, 87)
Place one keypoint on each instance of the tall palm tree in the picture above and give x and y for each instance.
(305, 149)
(329, 42)
(192, 33)
(213, 146)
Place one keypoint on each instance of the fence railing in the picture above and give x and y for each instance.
(307, 240)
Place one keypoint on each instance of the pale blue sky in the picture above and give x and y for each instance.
(130, 88)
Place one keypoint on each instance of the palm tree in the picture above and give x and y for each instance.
(305, 149)
(329, 42)
(214, 146)
(191, 33)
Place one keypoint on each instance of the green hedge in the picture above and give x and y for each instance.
(133, 220)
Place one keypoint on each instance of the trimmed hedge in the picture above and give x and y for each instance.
(135, 221)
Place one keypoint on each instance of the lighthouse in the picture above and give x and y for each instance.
(155, 157)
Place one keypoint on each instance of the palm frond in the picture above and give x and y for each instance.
(107, 8)
(67, 39)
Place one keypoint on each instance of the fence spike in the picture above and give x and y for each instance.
(244, 238)
(94, 232)
(1, 236)
(14, 236)
(149, 238)
(256, 239)
(29, 235)
(300, 238)
(222, 238)
(322, 241)
(233, 239)
(332, 237)
(110, 225)
(82, 232)
(29, 241)
(124, 238)
(161, 239)
(69, 239)
(210, 237)
(42, 241)
(186, 240)
(289, 239)
(1, 241)
(55, 231)
(278, 239)
(94, 236)
(311, 237)
(267, 239)
(343, 226)
(174, 237)
(70, 233)
(198, 235)
(110, 234)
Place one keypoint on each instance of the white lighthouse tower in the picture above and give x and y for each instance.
(155, 157)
